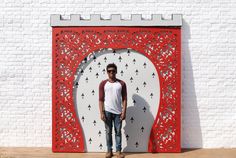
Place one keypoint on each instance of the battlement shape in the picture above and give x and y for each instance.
(115, 20)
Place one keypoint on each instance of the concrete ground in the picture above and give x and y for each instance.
(34, 152)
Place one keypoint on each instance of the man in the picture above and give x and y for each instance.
(113, 93)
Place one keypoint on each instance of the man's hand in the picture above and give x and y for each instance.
(103, 117)
(123, 115)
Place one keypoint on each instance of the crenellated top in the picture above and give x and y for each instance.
(115, 20)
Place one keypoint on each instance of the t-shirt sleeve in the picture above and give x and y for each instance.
(124, 92)
(101, 91)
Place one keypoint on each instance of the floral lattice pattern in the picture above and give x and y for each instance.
(159, 44)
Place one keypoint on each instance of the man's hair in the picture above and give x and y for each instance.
(112, 65)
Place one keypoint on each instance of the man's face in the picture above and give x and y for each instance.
(111, 72)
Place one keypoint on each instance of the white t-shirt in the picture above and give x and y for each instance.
(112, 93)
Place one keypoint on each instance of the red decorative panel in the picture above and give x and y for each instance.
(161, 45)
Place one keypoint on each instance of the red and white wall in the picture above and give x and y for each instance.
(141, 81)
(208, 67)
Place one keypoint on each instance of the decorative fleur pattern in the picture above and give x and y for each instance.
(71, 45)
(143, 98)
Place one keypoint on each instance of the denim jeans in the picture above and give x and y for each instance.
(110, 118)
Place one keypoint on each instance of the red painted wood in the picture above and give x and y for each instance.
(161, 45)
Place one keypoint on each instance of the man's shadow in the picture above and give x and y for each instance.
(137, 117)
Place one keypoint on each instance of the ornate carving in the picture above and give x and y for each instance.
(71, 45)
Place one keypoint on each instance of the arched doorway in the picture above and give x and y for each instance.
(143, 89)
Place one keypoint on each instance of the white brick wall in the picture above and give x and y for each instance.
(208, 66)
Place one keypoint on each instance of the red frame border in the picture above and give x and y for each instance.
(79, 42)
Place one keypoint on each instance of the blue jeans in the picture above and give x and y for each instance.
(110, 118)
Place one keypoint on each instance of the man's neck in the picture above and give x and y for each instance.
(112, 79)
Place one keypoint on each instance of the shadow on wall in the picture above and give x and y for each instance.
(191, 133)
(140, 116)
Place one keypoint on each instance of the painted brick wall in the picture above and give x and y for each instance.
(208, 66)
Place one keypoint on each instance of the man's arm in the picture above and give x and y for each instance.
(124, 104)
(101, 101)
(124, 101)
(101, 107)
(102, 111)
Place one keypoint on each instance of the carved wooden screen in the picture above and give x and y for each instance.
(76, 39)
